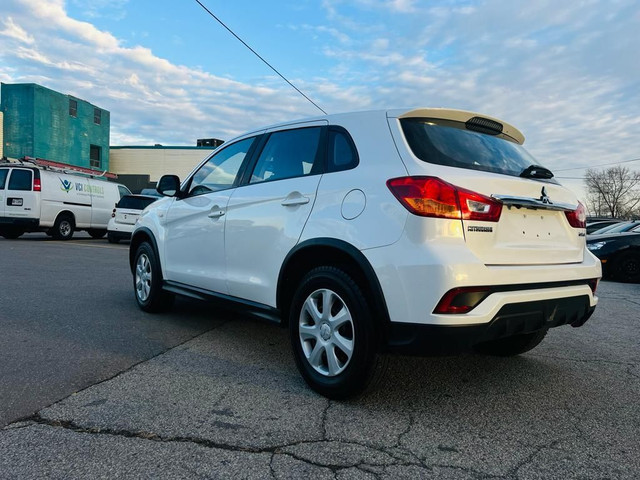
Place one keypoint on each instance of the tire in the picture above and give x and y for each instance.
(511, 346)
(336, 350)
(11, 234)
(64, 227)
(626, 267)
(97, 233)
(147, 281)
(111, 238)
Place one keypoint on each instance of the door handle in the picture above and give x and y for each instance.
(216, 212)
(295, 198)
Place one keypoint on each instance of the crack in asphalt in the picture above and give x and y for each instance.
(370, 468)
(122, 372)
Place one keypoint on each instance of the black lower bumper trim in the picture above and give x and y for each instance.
(512, 319)
(26, 223)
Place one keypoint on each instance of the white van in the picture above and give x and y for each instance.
(34, 198)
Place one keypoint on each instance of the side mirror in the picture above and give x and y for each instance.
(169, 186)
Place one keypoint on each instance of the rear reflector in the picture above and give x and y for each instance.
(432, 197)
(578, 217)
(37, 186)
(461, 300)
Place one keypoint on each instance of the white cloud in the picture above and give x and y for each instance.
(14, 31)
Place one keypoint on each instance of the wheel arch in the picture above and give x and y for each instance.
(140, 236)
(68, 213)
(331, 252)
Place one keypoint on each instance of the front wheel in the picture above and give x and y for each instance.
(333, 334)
(511, 346)
(147, 281)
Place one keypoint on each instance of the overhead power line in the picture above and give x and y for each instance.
(600, 165)
(259, 56)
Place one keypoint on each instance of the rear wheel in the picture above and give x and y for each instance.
(147, 281)
(333, 334)
(626, 267)
(63, 228)
(511, 346)
(11, 233)
(97, 233)
(111, 238)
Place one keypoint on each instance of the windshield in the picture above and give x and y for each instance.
(450, 143)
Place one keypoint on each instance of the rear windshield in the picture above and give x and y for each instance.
(135, 203)
(450, 143)
(3, 177)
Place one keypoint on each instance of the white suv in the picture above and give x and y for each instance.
(426, 231)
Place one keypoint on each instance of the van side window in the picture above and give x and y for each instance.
(288, 154)
(3, 177)
(20, 180)
(342, 152)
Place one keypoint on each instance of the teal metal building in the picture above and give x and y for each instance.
(41, 123)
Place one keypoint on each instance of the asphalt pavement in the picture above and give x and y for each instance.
(201, 394)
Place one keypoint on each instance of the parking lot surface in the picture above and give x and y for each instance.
(221, 397)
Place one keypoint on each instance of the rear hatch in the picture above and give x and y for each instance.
(129, 207)
(482, 159)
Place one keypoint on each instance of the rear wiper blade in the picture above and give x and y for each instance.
(536, 171)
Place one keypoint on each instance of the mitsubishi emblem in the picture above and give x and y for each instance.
(544, 198)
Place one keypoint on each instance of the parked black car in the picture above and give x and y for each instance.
(619, 254)
(594, 225)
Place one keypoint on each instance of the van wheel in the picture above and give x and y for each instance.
(111, 238)
(333, 334)
(511, 346)
(147, 281)
(11, 234)
(97, 233)
(63, 228)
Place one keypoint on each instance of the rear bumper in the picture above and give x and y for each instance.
(511, 319)
(27, 223)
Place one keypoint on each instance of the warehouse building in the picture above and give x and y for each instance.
(42, 123)
(141, 167)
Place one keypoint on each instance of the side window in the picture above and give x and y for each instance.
(288, 154)
(342, 152)
(220, 172)
(20, 180)
(3, 177)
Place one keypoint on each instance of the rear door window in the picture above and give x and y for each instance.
(450, 143)
(289, 154)
(20, 180)
(3, 177)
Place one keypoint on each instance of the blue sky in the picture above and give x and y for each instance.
(566, 73)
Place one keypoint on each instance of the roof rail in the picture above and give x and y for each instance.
(59, 166)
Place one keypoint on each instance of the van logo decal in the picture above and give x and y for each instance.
(66, 185)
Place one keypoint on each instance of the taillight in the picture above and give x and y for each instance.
(578, 217)
(113, 214)
(37, 186)
(432, 197)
